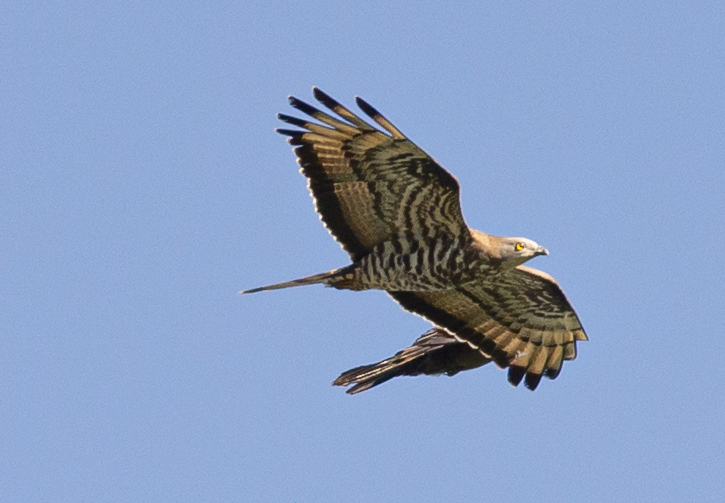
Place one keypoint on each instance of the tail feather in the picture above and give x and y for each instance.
(331, 278)
(367, 376)
(434, 352)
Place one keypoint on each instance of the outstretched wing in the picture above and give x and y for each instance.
(519, 318)
(435, 352)
(370, 186)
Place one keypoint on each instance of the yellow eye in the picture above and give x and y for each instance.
(519, 246)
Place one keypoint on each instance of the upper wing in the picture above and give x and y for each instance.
(369, 186)
(519, 318)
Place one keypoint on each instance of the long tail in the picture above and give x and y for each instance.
(332, 278)
(434, 352)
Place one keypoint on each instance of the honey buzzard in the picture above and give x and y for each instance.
(397, 213)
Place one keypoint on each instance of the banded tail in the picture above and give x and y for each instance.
(339, 278)
(433, 353)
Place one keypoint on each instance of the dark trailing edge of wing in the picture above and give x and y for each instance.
(552, 373)
(532, 380)
(328, 207)
(411, 302)
(516, 374)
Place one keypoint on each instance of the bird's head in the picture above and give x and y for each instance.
(516, 251)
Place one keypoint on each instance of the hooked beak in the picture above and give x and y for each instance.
(541, 251)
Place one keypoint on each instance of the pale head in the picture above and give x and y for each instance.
(516, 251)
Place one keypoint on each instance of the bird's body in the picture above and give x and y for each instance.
(412, 263)
(397, 214)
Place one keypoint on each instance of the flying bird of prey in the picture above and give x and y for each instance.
(397, 213)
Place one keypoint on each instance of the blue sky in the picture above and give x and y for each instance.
(142, 186)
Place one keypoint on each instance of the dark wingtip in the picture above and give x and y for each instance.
(501, 359)
(324, 98)
(516, 373)
(366, 107)
(552, 373)
(292, 120)
(532, 381)
(288, 132)
(302, 106)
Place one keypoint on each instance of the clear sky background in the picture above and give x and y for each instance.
(142, 186)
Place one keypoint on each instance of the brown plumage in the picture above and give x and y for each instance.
(433, 353)
(397, 213)
(531, 353)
